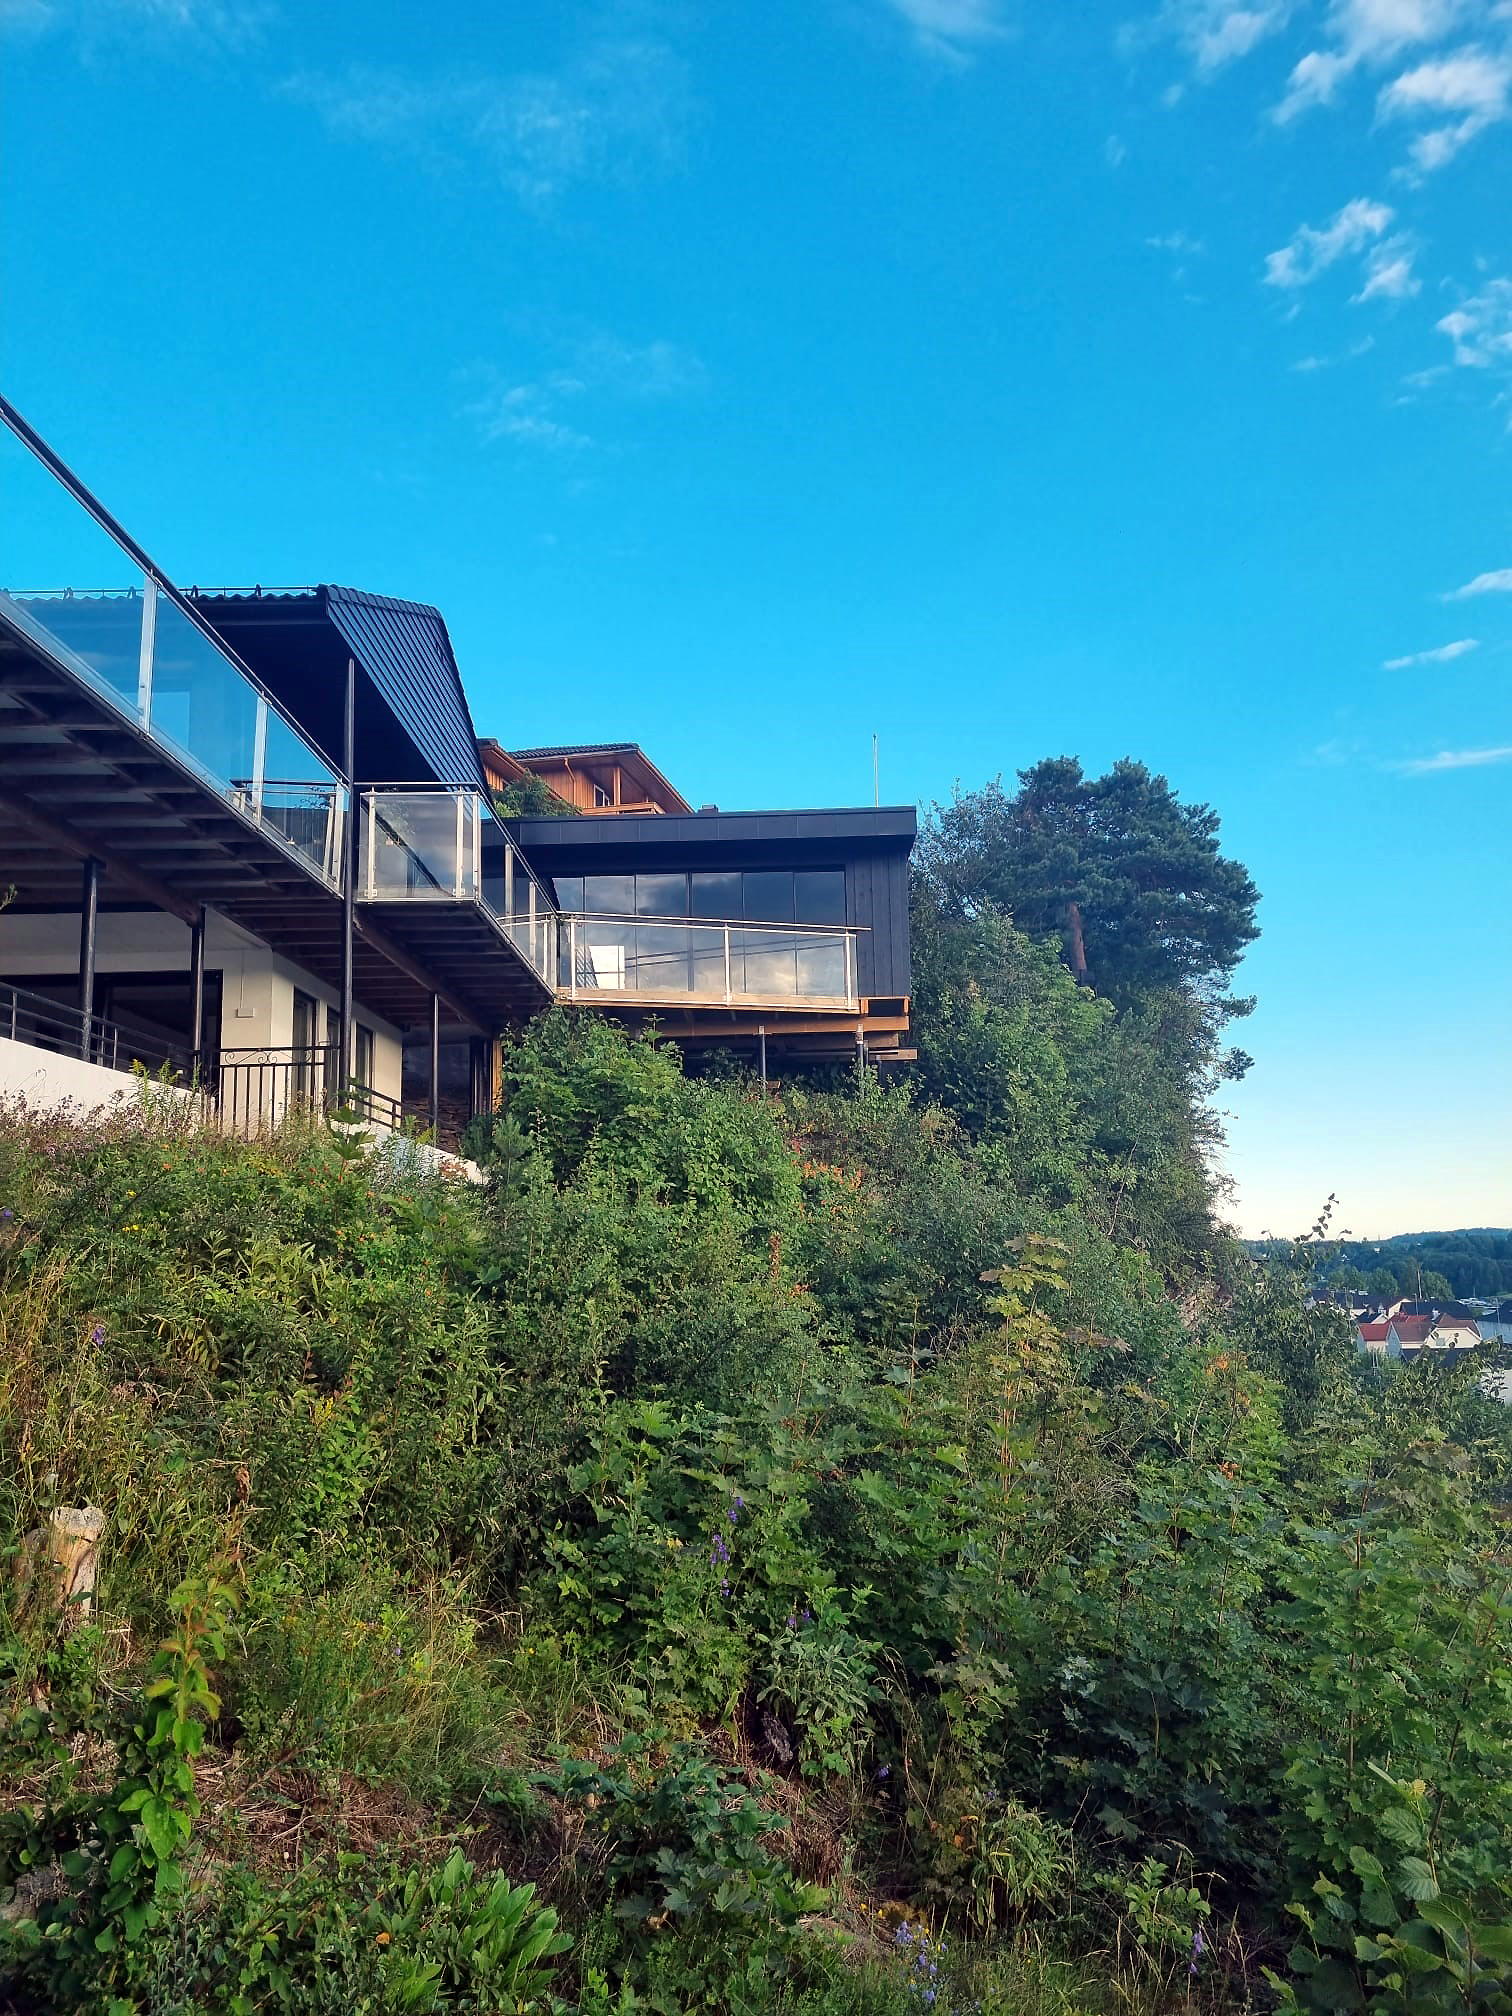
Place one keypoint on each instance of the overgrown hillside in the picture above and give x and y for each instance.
(858, 1549)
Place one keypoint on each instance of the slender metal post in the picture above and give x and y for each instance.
(348, 879)
(88, 921)
(761, 1031)
(849, 994)
(144, 662)
(533, 960)
(259, 756)
(436, 1069)
(509, 882)
(727, 962)
(461, 845)
(197, 984)
(572, 924)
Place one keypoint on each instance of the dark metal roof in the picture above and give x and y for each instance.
(406, 649)
(727, 839)
(403, 647)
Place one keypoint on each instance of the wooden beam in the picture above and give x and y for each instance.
(413, 970)
(156, 893)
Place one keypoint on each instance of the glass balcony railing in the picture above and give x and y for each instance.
(441, 844)
(739, 965)
(140, 647)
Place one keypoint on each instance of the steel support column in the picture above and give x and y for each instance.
(88, 923)
(348, 881)
(197, 984)
(435, 1069)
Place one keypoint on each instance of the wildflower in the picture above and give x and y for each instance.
(884, 1770)
(7, 1212)
(1199, 1947)
(383, 1939)
(792, 1623)
(97, 1335)
(724, 1588)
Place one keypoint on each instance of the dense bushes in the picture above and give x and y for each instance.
(819, 1498)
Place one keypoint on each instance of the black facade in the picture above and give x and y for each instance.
(869, 847)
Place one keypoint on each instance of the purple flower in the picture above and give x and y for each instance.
(884, 1770)
(7, 1212)
(719, 1554)
(808, 1616)
(792, 1623)
(97, 1335)
(724, 1588)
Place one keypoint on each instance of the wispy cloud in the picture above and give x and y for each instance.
(227, 24)
(1481, 328)
(1440, 654)
(596, 374)
(1345, 356)
(1314, 249)
(1473, 84)
(1388, 274)
(1455, 759)
(618, 108)
(1213, 33)
(1178, 242)
(1497, 582)
(954, 30)
(1364, 34)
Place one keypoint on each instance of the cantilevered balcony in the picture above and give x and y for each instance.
(435, 866)
(86, 600)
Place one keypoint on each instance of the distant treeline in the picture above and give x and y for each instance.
(1472, 1262)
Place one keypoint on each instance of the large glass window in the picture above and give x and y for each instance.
(609, 895)
(768, 895)
(819, 895)
(716, 895)
(661, 895)
(569, 891)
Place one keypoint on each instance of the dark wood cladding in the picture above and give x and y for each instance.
(871, 844)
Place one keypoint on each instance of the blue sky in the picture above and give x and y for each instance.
(1005, 377)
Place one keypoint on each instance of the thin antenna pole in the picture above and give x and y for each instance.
(876, 775)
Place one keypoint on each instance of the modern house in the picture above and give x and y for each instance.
(251, 839)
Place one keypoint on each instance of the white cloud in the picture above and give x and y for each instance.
(1176, 241)
(615, 108)
(1481, 327)
(1213, 33)
(1360, 349)
(1115, 152)
(1456, 759)
(1497, 582)
(953, 29)
(232, 24)
(1474, 83)
(1389, 275)
(1364, 34)
(1441, 654)
(1313, 250)
(597, 371)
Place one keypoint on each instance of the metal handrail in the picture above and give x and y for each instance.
(46, 1024)
(56, 467)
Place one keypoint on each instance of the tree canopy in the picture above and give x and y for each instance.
(1129, 878)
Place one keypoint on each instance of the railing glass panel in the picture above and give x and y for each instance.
(65, 575)
(86, 598)
(202, 705)
(704, 962)
(302, 798)
(417, 845)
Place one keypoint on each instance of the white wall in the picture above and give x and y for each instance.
(44, 1081)
(257, 986)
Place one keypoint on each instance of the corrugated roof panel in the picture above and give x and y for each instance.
(405, 649)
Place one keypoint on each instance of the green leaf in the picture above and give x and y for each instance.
(1364, 1863)
(1377, 1907)
(1416, 1879)
(1495, 1941)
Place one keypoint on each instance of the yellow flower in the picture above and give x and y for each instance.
(384, 1938)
